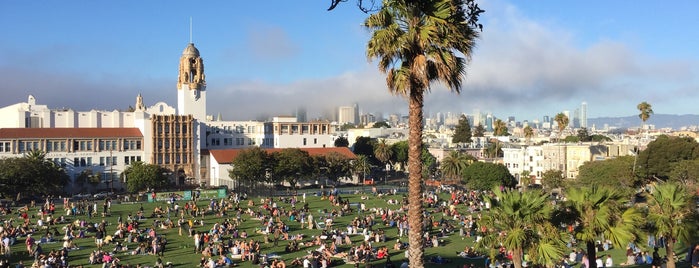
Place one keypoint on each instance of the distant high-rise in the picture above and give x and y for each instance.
(583, 114)
(356, 112)
(477, 118)
(489, 122)
(576, 118)
(301, 114)
(368, 120)
(570, 121)
(345, 114)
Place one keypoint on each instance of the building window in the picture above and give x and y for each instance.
(126, 160)
(76, 162)
(304, 141)
(315, 140)
(4, 146)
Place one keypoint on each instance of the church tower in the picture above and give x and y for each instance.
(191, 84)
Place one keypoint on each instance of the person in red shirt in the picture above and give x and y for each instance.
(30, 243)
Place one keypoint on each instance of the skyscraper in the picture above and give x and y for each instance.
(301, 114)
(583, 114)
(345, 114)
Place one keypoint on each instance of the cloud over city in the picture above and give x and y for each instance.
(521, 67)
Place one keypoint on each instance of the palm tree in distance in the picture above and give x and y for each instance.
(453, 164)
(645, 110)
(500, 128)
(418, 42)
(562, 121)
(528, 133)
(383, 153)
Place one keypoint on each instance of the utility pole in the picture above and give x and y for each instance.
(111, 171)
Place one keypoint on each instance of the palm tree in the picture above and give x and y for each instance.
(523, 217)
(418, 42)
(500, 128)
(528, 133)
(37, 155)
(669, 208)
(361, 166)
(383, 153)
(453, 164)
(645, 110)
(596, 211)
(562, 121)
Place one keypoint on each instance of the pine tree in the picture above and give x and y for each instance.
(462, 133)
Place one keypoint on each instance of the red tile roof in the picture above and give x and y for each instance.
(53, 133)
(226, 156)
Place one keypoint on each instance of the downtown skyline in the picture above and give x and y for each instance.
(533, 59)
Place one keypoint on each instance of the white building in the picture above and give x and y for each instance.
(523, 160)
(177, 139)
(221, 162)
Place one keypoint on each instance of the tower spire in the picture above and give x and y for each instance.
(190, 30)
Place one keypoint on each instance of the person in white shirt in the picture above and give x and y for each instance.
(599, 262)
(609, 262)
(306, 263)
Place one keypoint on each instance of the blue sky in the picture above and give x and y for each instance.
(265, 58)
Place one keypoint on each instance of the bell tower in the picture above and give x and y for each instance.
(191, 84)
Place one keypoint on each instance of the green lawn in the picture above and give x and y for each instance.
(180, 250)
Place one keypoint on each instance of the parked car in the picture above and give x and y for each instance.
(102, 195)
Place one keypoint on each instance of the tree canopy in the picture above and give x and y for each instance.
(659, 158)
(252, 166)
(610, 172)
(364, 145)
(462, 132)
(486, 176)
(479, 131)
(381, 124)
(31, 174)
(292, 164)
(341, 142)
(141, 176)
(552, 178)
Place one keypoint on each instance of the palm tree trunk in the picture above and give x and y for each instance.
(416, 102)
(517, 257)
(670, 252)
(591, 254)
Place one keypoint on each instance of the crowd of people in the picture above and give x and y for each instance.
(348, 232)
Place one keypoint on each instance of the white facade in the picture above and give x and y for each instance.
(237, 134)
(345, 114)
(520, 160)
(390, 134)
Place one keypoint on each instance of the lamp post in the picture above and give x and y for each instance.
(388, 168)
(111, 171)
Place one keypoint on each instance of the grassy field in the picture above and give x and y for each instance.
(180, 249)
